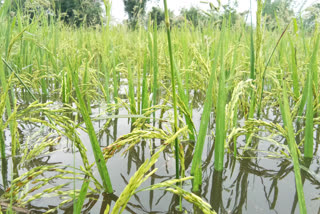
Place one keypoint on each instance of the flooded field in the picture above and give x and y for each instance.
(258, 180)
(172, 115)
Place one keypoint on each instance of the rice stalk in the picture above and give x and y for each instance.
(4, 9)
(197, 157)
(184, 98)
(265, 69)
(85, 83)
(5, 105)
(136, 180)
(106, 81)
(192, 198)
(173, 85)
(313, 71)
(101, 164)
(141, 175)
(155, 68)
(44, 89)
(252, 73)
(294, 70)
(293, 149)
(188, 196)
(136, 136)
(107, 5)
(221, 114)
(115, 77)
(20, 80)
(133, 107)
(82, 195)
(144, 95)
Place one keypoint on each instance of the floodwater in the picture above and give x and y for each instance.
(257, 181)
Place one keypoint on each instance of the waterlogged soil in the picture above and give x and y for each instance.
(256, 181)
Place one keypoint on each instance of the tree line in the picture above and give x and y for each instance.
(89, 12)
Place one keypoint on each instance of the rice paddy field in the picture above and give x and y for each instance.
(219, 119)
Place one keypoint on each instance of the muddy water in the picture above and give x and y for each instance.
(258, 182)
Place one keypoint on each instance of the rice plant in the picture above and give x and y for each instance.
(160, 104)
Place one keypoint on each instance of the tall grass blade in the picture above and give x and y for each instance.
(175, 128)
(221, 114)
(82, 196)
(20, 80)
(145, 100)
(266, 66)
(294, 70)
(133, 107)
(184, 98)
(293, 149)
(107, 6)
(106, 81)
(100, 161)
(3, 103)
(115, 77)
(196, 162)
(155, 67)
(43, 73)
(252, 74)
(85, 85)
(4, 9)
(313, 71)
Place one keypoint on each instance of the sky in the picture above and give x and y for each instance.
(117, 10)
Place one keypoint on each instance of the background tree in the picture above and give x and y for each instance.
(231, 14)
(134, 9)
(194, 15)
(215, 15)
(73, 12)
(77, 12)
(312, 16)
(31, 8)
(277, 12)
(157, 15)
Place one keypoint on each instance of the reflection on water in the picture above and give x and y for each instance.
(250, 183)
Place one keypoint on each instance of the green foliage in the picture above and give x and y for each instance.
(221, 109)
(134, 9)
(101, 57)
(72, 12)
(202, 18)
(17, 4)
(143, 173)
(196, 163)
(190, 197)
(231, 14)
(293, 147)
(157, 15)
(77, 12)
(194, 15)
(312, 75)
(101, 164)
(311, 16)
(173, 85)
(277, 12)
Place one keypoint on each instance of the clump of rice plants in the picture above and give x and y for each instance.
(162, 112)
